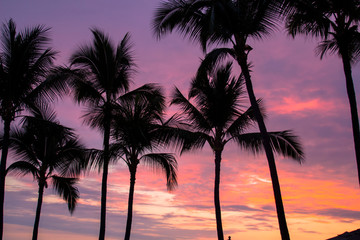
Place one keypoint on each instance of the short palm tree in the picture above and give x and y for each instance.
(51, 153)
(100, 76)
(228, 22)
(138, 130)
(25, 61)
(214, 114)
(336, 23)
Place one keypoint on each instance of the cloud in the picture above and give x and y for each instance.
(292, 105)
(340, 213)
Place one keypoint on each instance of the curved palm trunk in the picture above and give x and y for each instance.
(104, 182)
(4, 154)
(242, 61)
(219, 227)
(353, 108)
(130, 204)
(38, 211)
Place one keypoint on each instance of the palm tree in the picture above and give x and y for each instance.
(228, 22)
(51, 153)
(213, 112)
(336, 23)
(138, 130)
(101, 76)
(25, 62)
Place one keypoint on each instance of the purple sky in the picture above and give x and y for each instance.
(300, 92)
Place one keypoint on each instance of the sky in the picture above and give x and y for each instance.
(300, 91)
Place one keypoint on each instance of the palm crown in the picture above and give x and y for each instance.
(334, 20)
(139, 132)
(25, 61)
(51, 153)
(214, 115)
(104, 72)
(48, 151)
(217, 21)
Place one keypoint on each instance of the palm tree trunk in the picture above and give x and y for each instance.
(242, 61)
(353, 108)
(130, 204)
(219, 227)
(104, 182)
(38, 211)
(4, 154)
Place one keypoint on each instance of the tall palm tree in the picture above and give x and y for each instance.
(336, 23)
(100, 76)
(228, 22)
(25, 61)
(138, 130)
(213, 111)
(51, 153)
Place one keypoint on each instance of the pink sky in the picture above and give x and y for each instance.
(321, 196)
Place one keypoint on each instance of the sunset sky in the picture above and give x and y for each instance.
(300, 91)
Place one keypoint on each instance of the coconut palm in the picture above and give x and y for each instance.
(25, 61)
(336, 23)
(100, 76)
(228, 22)
(138, 130)
(51, 153)
(213, 111)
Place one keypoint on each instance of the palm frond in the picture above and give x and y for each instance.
(26, 60)
(53, 87)
(151, 93)
(125, 62)
(94, 159)
(284, 143)
(195, 117)
(165, 162)
(180, 134)
(244, 121)
(65, 188)
(23, 168)
(354, 44)
(212, 59)
(181, 15)
(20, 142)
(287, 144)
(308, 17)
(327, 46)
(71, 158)
(85, 91)
(95, 116)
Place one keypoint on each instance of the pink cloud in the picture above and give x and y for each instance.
(294, 105)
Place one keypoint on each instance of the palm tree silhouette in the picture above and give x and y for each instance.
(100, 78)
(25, 61)
(213, 111)
(228, 22)
(51, 153)
(138, 130)
(336, 22)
